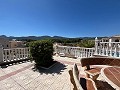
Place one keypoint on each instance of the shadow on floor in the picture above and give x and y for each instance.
(57, 68)
(103, 85)
(99, 84)
(83, 83)
(16, 63)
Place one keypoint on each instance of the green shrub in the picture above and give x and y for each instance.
(41, 52)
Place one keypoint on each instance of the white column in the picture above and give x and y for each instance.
(110, 45)
(110, 40)
(96, 46)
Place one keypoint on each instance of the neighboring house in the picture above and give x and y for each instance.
(11, 44)
(115, 38)
(4, 42)
(16, 44)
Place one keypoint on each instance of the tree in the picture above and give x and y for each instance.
(86, 43)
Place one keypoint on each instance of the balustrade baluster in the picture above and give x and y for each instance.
(111, 51)
(89, 52)
(27, 52)
(115, 50)
(107, 51)
(103, 49)
(20, 53)
(24, 52)
(9, 56)
(118, 50)
(6, 56)
(85, 52)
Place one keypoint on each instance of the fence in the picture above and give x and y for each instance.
(111, 49)
(14, 54)
(78, 52)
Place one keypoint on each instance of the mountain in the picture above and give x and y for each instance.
(32, 37)
(58, 37)
(3, 36)
(42, 37)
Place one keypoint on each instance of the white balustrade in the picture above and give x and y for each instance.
(101, 48)
(75, 51)
(111, 49)
(14, 54)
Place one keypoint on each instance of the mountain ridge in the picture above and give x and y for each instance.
(42, 37)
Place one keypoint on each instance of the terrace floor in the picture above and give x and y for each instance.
(23, 76)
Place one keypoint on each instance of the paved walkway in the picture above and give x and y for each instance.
(25, 77)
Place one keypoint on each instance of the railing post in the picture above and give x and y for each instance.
(1, 53)
(96, 46)
(115, 50)
(110, 46)
(118, 50)
(107, 49)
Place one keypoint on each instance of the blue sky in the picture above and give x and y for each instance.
(69, 18)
